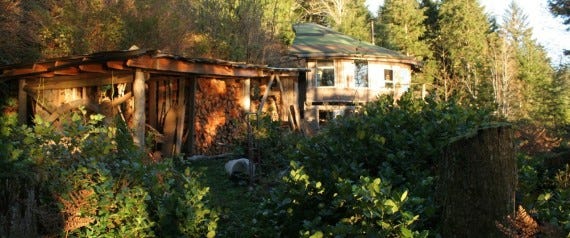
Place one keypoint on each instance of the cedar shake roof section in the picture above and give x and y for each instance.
(316, 41)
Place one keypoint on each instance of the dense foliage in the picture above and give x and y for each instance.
(373, 173)
(87, 179)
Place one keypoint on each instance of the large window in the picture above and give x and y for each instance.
(389, 78)
(324, 73)
(360, 73)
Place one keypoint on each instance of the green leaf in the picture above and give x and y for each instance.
(318, 185)
(544, 197)
(392, 205)
(404, 196)
(406, 232)
(318, 234)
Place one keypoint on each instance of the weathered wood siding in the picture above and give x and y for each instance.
(345, 89)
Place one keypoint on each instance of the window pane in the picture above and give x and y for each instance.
(389, 78)
(361, 73)
(328, 78)
(324, 75)
(325, 116)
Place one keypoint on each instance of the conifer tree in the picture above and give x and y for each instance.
(400, 27)
(461, 46)
(352, 19)
(535, 73)
(530, 92)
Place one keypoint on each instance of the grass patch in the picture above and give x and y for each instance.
(236, 200)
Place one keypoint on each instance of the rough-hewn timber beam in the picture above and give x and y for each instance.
(72, 70)
(94, 68)
(82, 80)
(173, 65)
(117, 64)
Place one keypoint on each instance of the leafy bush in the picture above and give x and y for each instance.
(545, 191)
(370, 173)
(87, 179)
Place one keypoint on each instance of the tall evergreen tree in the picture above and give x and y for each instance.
(535, 72)
(352, 19)
(561, 88)
(526, 74)
(461, 46)
(400, 27)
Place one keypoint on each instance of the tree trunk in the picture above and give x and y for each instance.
(478, 181)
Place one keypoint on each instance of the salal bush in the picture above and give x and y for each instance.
(373, 173)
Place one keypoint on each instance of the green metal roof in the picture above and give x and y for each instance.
(316, 41)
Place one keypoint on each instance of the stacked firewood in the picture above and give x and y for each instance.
(218, 122)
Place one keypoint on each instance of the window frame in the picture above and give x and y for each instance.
(389, 83)
(357, 82)
(318, 77)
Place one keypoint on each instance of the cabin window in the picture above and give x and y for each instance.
(326, 116)
(324, 75)
(360, 73)
(389, 78)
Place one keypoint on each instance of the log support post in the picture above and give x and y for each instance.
(246, 100)
(22, 102)
(181, 115)
(139, 118)
(191, 114)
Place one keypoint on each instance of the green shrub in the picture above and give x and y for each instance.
(88, 179)
(545, 193)
(350, 179)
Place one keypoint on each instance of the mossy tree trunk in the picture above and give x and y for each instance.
(478, 182)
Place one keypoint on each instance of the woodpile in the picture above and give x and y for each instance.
(218, 122)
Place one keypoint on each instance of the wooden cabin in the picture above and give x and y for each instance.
(191, 105)
(344, 72)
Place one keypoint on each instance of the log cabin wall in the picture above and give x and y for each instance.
(188, 105)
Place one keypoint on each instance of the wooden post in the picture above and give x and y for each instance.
(181, 113)
(22, 102)
(246, 100)
(478, 182)
(282, 108)
(152, 104)
(191, 114)
(266, 94)
(139, 118)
